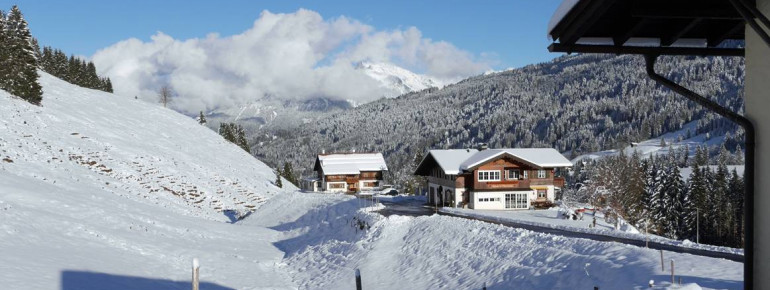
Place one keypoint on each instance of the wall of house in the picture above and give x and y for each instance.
(499, 199)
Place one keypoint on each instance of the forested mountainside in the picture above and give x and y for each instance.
(576, 104)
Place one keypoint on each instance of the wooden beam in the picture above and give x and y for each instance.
(674, 37)
(731, 30)
(619, 40)
(705, 51)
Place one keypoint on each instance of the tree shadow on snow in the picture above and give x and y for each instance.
(337, 222)
(84, 280)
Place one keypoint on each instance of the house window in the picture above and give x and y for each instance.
(489, 175)
(541, 174)
(516, 200)
(541, 193)
(525, 174)
(336, 185)
(513, 174)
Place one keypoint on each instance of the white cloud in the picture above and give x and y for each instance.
(295, 55)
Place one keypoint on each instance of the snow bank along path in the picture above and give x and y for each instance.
(549, 219)
(103, 192)
(324, 246)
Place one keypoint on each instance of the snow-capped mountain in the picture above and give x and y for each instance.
(393, 80)
(397, 79)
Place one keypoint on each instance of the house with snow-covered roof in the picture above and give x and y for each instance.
(512, 178)
(346, 172)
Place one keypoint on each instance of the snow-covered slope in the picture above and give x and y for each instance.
(397, 79)
(673, 140)
(103, 192)
(130, 148)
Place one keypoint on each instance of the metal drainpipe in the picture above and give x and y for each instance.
(748, 127)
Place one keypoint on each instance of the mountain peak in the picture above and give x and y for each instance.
(397, 79)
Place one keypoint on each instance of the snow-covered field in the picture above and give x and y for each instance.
(324, 245)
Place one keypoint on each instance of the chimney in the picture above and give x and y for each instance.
(482, 146)
(323, 151)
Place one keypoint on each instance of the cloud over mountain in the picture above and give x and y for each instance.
(295, 55)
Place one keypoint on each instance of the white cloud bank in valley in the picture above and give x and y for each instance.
(297, 55)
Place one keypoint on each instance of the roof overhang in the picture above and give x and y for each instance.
(653, 27)
(503, 154)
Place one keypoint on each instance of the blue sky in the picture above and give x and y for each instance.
(510, 32)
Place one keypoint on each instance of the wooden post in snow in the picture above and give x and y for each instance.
(195, 273)
(484, 287)
(662, 266)
(672, 273)
(358, 279)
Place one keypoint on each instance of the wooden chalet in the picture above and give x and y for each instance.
(493, 178)
(346, 172)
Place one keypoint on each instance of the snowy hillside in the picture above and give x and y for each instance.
(129, 148)
(682, 139)
(103, 192)
(397, 79)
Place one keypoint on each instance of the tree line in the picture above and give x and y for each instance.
(707, 205)
(72, 69)
(20, 57)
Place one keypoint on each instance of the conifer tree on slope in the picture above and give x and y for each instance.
(202, 119)
(21, 78)
(288, 173)
(5, 66)
(278, 178)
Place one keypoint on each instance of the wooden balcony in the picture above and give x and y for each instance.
(519, 184)
(558, 181)
(503, 184)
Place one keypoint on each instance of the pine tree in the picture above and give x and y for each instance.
(202, 119)
(736, 189)
(278, 178)
(288, 173)
(21, 75)
(5, 57)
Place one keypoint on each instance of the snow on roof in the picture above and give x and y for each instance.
(352, 163)
(449, 160)
(541, 157)
(559, 14)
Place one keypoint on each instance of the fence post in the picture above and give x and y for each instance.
(672, 273)
(195, 273)
(662, 266)
(358, 279)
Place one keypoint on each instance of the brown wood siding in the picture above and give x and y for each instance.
(371, 175)
(502, 164)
